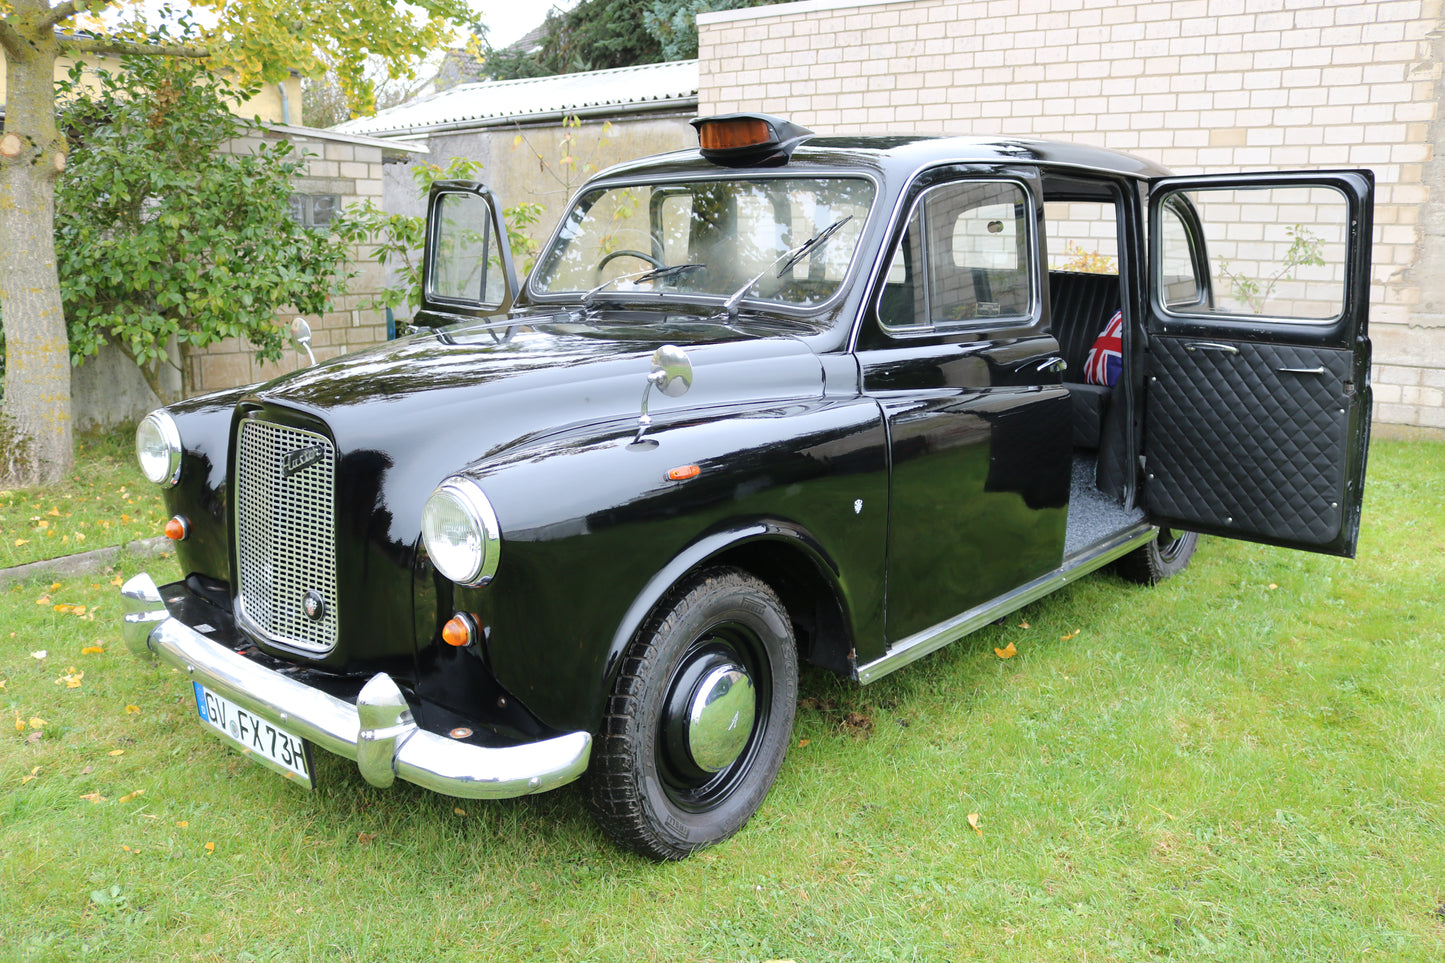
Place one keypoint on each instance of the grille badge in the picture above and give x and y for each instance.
(314, 605)
(301, 458)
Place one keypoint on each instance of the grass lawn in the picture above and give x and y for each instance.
(1245, 763)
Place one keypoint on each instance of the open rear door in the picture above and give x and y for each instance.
(1257, 394)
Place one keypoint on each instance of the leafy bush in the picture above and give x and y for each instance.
(165, 237)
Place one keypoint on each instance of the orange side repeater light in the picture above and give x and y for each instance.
(683, 472)
(177, 528)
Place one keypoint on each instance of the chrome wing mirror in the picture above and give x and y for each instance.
(300, 333)
(671, 374)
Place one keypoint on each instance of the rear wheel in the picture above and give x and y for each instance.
(1167, 555)
(699, 718)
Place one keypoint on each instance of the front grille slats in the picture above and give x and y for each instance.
(285, 536)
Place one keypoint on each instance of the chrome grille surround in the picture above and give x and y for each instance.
(285, 533)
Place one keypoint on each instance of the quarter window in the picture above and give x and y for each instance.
(963, 260)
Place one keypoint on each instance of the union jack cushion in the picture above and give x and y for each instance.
(1106, 357)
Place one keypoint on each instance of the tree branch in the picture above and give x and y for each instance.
(11, 41)
(64, 11)
(122, 47)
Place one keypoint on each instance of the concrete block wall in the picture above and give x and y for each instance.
(1197, 85)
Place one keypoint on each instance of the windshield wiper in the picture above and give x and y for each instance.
(788, 259)
(655, 274)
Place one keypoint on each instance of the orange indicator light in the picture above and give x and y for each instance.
(683, 472)
(458, 630)
(177, 528)
(732, 134)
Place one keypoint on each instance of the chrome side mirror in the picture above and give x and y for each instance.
(671, 374)
(300, 333)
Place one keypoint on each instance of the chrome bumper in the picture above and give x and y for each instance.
(378, 732)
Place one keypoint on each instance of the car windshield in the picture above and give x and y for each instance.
(711, 238)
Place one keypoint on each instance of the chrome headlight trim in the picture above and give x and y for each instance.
(164, 426)
(466, 495)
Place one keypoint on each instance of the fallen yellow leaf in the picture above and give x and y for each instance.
(93, 797)
(116, 752)
(55, 512)
(210, 847)
(92, 650)
(21, 541)
(71, 678)
(183, 824)
(803, 742)
(973, 821)
(1007, 652)
(459, 810)
(37, 723)
(1065, 638)
(34, 774)
(117, 581)
(132, 795)
(1023, 625)
(63, 608)
(43, 600)
(132, 710)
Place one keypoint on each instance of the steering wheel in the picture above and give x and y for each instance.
(625, 252)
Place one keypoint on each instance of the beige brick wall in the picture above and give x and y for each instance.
(1197, 85)
(354, 172)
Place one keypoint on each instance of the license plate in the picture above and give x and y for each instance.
(257, 738)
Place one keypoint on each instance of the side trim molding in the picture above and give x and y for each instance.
(932, 639)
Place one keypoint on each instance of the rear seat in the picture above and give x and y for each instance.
(1080, 305)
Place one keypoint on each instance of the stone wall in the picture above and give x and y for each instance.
(1197, 85)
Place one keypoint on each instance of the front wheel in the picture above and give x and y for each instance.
(699, 718)
(1165, 556)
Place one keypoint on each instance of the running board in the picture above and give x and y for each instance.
(932, 639)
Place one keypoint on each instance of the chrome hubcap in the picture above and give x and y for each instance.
(720, 717)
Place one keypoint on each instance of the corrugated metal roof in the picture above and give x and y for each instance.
(623, 90)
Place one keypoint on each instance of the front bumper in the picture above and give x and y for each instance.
(378, 732)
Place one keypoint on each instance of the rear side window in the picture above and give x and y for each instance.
(964, 260)
(1276, 252)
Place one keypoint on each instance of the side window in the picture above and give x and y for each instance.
(1275, 252)
(1179, 258)
(465, 264)
(964, 260)
(1083, 236)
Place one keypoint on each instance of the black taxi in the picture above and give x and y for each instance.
(780, 398)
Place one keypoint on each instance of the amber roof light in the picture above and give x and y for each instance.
(748, 140)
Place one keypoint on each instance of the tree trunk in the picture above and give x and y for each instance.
(37, 350)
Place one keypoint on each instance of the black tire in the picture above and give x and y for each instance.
(1164, 557)
(649, 791)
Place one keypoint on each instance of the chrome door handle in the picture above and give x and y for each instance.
(1048, 364)
(1315, 371)
(1210, 346)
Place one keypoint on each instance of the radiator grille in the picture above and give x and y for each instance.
(285, 537)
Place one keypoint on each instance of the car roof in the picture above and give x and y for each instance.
(902, 154)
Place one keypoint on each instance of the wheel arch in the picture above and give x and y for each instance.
(788, 559)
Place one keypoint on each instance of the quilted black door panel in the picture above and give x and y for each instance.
(1249, 439)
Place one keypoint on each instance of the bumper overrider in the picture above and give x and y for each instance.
(378, 732)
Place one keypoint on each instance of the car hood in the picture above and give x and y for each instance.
(463, 389)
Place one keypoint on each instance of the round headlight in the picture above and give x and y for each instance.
(461, 532)
(158, 448)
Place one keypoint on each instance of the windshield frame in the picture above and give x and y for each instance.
(857, 263)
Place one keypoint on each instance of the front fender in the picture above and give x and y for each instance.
(594, 534)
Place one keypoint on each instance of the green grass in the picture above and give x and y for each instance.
(1245, 763)
(105, 501)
